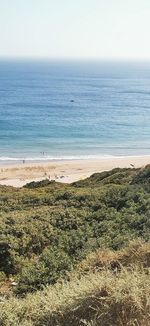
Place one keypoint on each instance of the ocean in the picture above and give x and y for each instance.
(73, 110)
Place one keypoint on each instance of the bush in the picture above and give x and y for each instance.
(51, 265)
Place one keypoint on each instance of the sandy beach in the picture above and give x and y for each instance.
(64, 171)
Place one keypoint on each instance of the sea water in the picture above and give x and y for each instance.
(72, 110)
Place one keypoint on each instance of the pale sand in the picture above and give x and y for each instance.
(64, 171)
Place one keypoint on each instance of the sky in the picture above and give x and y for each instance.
(75, 29)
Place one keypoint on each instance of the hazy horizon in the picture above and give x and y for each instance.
(75, 59)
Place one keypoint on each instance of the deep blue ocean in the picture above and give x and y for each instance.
(64, 110)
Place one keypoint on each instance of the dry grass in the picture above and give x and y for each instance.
(101, 298)
(138, 252)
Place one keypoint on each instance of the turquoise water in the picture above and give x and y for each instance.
(64, 110)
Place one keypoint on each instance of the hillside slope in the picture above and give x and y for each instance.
(108, 288)
(47, 228)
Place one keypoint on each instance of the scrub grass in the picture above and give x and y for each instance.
(97, 297)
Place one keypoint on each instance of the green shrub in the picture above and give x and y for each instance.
(47, 227)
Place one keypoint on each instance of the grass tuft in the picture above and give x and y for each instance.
(97, 298)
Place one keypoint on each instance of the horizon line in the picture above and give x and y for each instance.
(73, 59)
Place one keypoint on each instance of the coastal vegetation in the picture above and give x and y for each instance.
(77, 254)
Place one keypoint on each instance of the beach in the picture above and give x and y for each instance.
(65, 171)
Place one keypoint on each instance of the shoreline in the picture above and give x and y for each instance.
(65, 171)
(4, 161)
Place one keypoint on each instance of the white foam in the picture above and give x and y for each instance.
(54, 158)
(65, 157)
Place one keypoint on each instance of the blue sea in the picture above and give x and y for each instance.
(73, 110)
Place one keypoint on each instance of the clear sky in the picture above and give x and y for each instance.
(110, 29)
